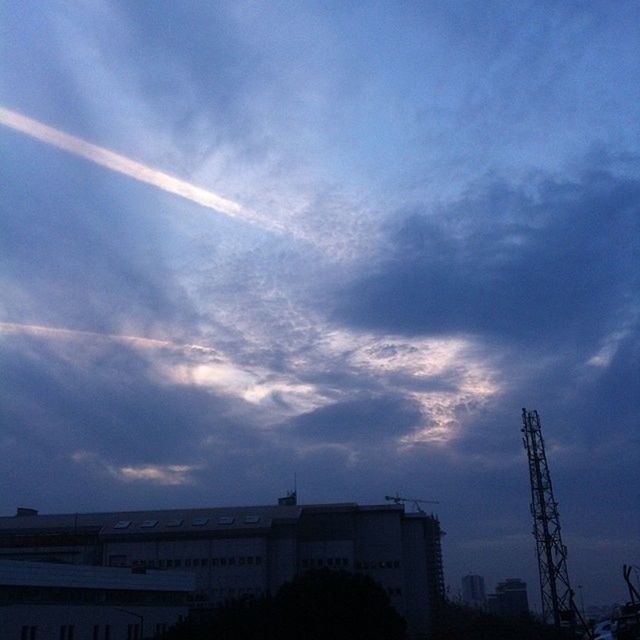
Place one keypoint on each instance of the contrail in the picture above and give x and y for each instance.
(134, 341)
(136, 170)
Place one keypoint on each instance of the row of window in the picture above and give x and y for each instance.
(325, 562)
(67, 632)
(382, 564)
(195, 522)
(174, 563)
(308, 563)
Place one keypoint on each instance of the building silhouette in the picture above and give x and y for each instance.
(510, 599)
(473, 593)
(244, 552)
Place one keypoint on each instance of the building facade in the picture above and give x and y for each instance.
(473, 593)
(510, 599)
(240, 552)
(49, 601)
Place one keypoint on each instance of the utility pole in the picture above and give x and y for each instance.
(557, 596)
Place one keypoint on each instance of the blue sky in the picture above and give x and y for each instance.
(344, 240)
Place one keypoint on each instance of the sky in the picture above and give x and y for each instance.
(343, 241)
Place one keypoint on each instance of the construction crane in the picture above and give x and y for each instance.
(397, 499)
(557, 596)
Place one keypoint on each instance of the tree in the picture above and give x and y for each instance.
(317, 605)
(323, 605)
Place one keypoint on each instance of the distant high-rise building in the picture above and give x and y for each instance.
(510, 598)
(473, 594)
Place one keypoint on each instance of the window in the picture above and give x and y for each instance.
(133, 631)
(187, 562)
(107, 632)
(117, 561)
(232, 560)
(122, 524)
(258, 559)
(251, 519)
(24, 634)
(67, 632)
(149, 524)
(204, 562)
(241, 560)
(199, 522)
(226, 520)
(33, 630)
(177, 562)
(249, 559)
(196, 562)
(177, 522)
(96, 632)
(169, 562)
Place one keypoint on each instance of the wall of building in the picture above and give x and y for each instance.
(250, 551)
(86, 622)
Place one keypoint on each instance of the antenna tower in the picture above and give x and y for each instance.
(557, 596)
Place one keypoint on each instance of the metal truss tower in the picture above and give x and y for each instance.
(557, 596)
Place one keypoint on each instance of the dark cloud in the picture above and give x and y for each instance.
(106, 400)
(368, 419)
(555, 261)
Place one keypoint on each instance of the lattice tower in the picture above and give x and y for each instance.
(557, 596)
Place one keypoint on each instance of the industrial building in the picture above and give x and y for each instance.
(238, 552)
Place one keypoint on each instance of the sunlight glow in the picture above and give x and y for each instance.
(134, 341)
(166, 475)
(418, 368)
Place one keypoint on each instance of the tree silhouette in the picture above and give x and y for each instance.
(317, 605)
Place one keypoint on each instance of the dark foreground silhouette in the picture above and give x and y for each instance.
(461, 623)
(331, 605)
(318, 605)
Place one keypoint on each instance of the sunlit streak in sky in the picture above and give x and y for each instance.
(134, 341)
(136, 170)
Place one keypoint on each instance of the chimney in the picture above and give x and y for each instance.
(26, 511)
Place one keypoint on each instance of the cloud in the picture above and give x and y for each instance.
(136, 170)
(172, 474)
(366, 420)
(513, 263)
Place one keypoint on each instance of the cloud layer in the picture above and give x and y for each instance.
(455, 195)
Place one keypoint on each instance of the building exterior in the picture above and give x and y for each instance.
(47, 601)
(241, 552)
(473, 594)
(510, 599)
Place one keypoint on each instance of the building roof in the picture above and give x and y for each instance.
(117, 523)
